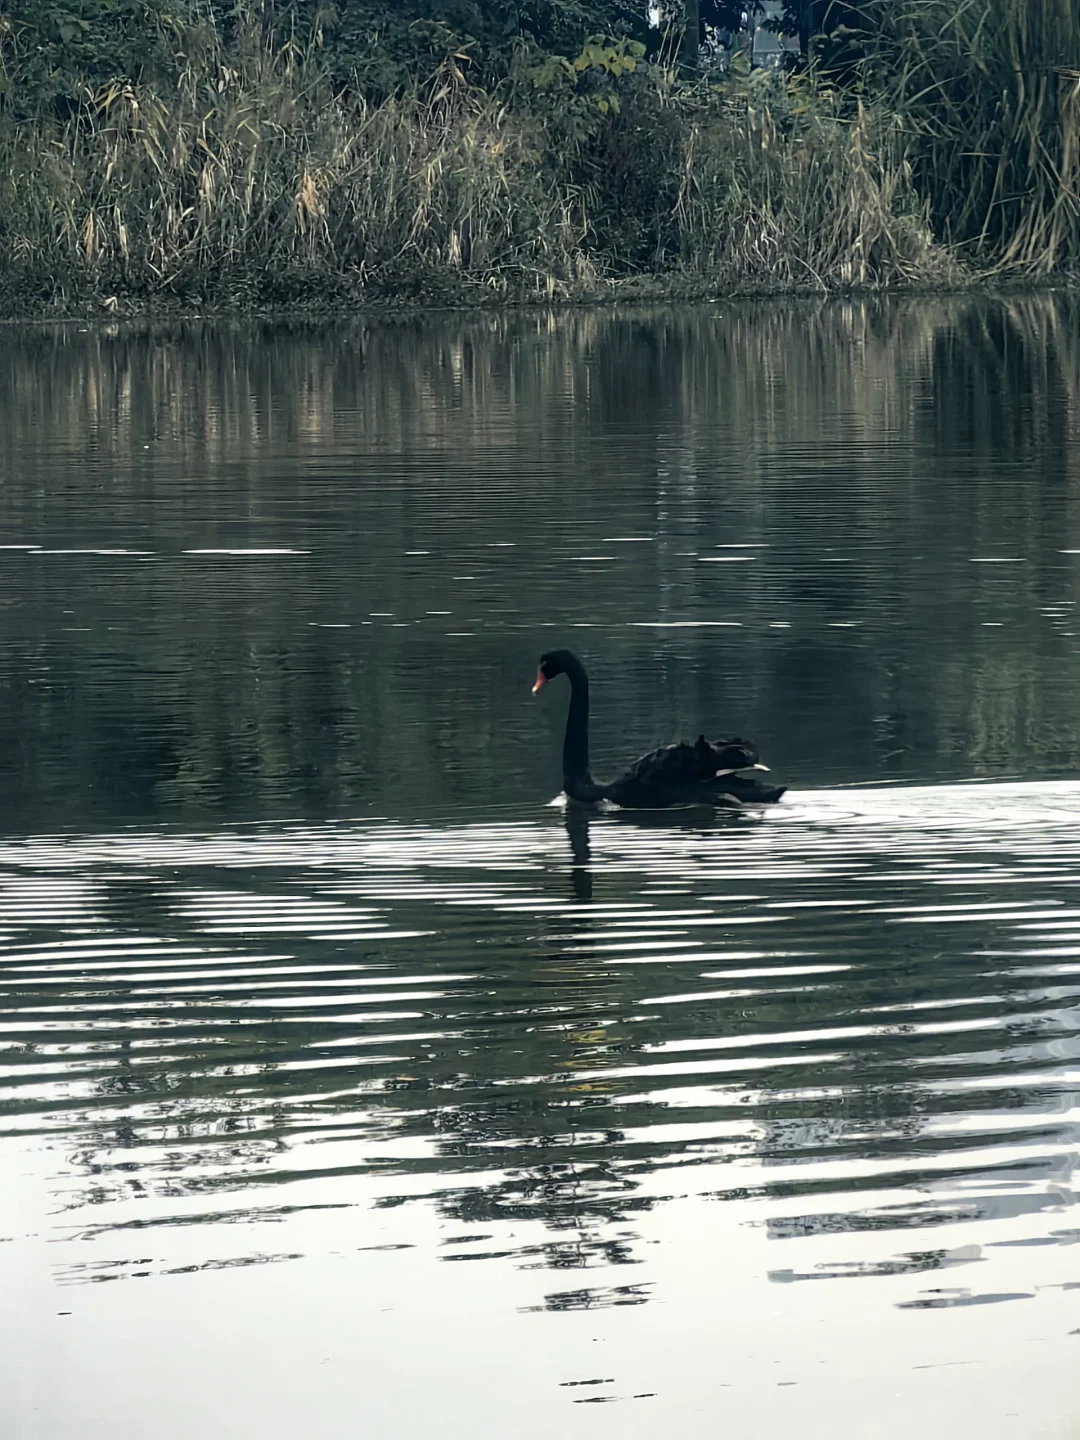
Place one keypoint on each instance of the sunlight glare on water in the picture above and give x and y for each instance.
(828, 1058)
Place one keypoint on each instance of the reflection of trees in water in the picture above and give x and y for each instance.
(190, 683)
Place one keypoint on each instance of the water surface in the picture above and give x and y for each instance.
(351, 1086)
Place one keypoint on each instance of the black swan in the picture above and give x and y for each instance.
(704, 773)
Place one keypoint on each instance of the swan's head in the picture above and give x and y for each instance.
(552, 663)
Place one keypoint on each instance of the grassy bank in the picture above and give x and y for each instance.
(253, 179)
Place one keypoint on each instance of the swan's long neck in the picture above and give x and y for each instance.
(575, 753)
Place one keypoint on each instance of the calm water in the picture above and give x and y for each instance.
(350, 1086)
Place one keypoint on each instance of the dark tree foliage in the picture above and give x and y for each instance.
(833, 30)
(385, 43)
(52, 48)
(729, 15)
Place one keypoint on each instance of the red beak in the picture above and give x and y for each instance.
(541, 680)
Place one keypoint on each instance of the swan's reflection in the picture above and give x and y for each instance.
(577, 828)
(695, 819)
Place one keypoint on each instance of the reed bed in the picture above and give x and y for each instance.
(255, 180)
(252, 181)
(989, 94)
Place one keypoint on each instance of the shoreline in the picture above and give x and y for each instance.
(479, 299)
(240, 173)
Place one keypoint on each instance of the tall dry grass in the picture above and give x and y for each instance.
(989, 91)
(256, 175)
(252, 181)
(782, 179)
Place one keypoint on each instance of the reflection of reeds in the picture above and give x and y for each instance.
(229, 391)
(892, 432)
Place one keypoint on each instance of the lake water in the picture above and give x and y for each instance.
(350, 1086)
